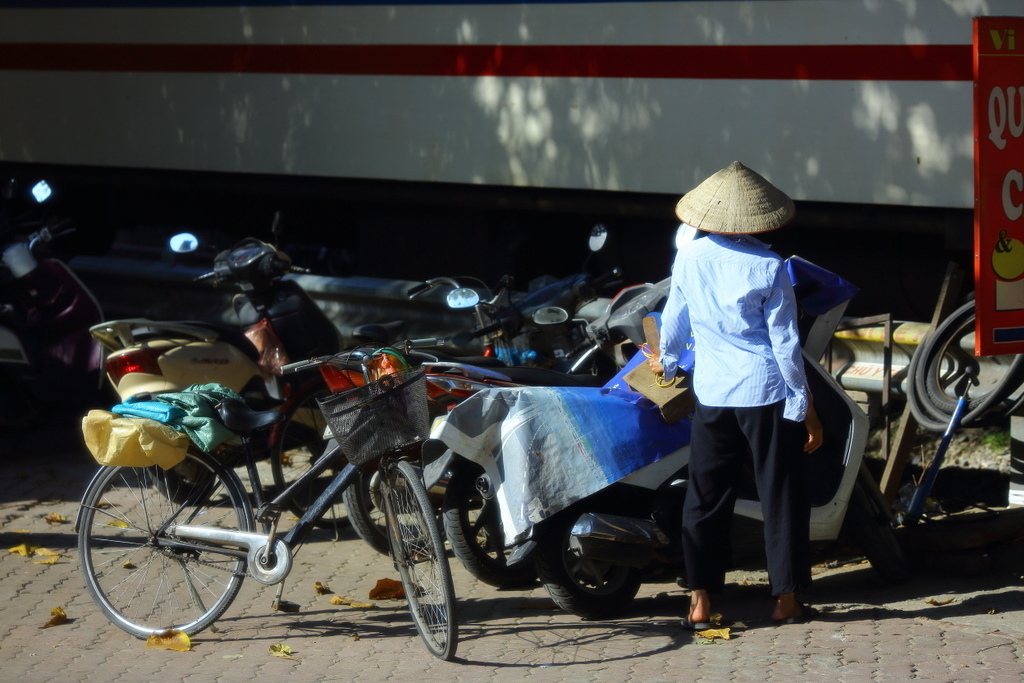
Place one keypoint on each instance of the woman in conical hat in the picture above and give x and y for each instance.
(733, 294)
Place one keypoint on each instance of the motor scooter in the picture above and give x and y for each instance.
(539, 328)
(277, 322)
(588, 484)
(47, 358)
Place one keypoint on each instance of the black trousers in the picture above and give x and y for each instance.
(721, 441)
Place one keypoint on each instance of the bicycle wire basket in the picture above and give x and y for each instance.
(379, 417)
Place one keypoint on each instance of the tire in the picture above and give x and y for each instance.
(297, 443)
(418, 553)
(472, 525)
(944, 357)
(366, 510)
(587, 588)
(141, 584)
(869, 524)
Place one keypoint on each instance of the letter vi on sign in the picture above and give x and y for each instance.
(1006, 38)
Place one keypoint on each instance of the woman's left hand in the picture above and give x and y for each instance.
(814, 430)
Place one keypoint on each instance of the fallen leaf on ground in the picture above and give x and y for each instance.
(387, 588)
(321, 589)
(283, 651)
(170, 640)
(51, 556)
(24, 549)
(118, 523)
(338, 600)
(54, 518)
(128, 565)
(939, 603)
(57, 617)
(712, 633)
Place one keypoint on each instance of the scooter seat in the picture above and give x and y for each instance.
(543, 377)
(379, 333)
(243, 420)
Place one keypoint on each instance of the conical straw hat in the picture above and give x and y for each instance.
(735, 200)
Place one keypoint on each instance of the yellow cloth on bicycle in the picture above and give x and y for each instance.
(132, 441)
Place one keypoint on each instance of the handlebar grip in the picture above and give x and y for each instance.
(413, 291)
(602, 280)
(315, 362)
(428, 343)
(289, 368)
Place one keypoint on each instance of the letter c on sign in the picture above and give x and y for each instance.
(1012, 211)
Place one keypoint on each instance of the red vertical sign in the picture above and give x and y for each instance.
(999, 184)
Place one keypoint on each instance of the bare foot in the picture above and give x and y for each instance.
(786, 607)
(700, 607)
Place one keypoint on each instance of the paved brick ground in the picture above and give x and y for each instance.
(939, 627)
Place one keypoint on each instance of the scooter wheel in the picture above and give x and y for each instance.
(365, 507)
(868, 522)
(591, 589)
(472, 524)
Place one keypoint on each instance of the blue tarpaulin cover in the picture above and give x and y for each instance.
(548, 447)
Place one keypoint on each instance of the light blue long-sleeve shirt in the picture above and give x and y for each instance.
(735, 296)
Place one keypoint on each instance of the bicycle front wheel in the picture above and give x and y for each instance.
(143, 579)
(418, 553)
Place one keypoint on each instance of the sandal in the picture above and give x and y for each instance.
(806, 614)
(696, 625)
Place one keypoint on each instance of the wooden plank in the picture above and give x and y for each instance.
(896, 459)
(965, 530)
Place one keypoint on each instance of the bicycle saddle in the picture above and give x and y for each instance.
(243, 420)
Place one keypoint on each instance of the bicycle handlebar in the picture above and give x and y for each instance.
(354, 358)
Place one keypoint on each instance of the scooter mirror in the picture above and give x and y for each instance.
(41, 191)
(462, 297)
(184, 243)
(598, 236)
(550, 315)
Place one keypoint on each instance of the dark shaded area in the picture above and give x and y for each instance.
(352, 227)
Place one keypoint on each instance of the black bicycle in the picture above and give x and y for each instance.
(169, 549)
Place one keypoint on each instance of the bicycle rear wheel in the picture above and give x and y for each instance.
(143, 579)
(418, 553)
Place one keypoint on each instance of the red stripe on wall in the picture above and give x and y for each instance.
(786, 62)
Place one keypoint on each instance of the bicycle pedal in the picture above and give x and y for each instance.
(268, 514)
